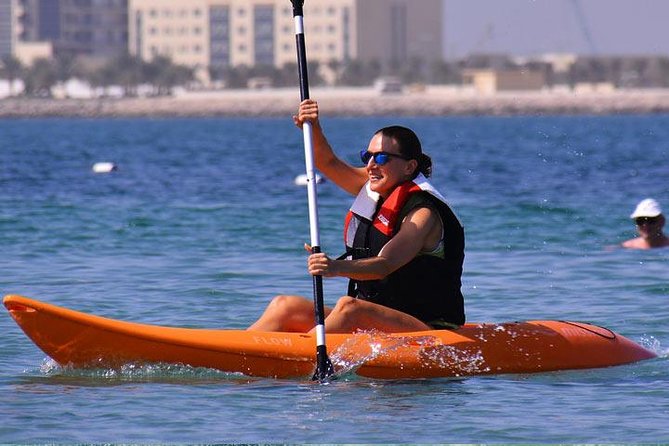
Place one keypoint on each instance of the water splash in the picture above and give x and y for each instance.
(50, 367)
(362, 347)
(136, 372)
(653, 344)
(430, 353)
(460, 361)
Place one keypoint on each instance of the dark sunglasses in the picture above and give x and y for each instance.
(646, 220)
(380, 158)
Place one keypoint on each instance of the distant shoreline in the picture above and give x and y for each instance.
(432, 101)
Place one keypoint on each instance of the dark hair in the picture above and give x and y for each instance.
(409, 147)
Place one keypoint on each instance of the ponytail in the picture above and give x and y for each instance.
(424, 166)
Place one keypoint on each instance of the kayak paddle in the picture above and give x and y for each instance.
(324, 367)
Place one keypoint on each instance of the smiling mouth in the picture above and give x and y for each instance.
(374, 174)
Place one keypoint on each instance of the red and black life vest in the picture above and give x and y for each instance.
(428, 287)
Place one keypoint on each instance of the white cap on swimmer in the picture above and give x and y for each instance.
(647, 208)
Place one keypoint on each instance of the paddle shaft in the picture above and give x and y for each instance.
(323, 364)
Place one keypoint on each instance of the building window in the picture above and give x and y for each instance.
(346, 33)
(219, 31)
(263, 42)
(219, 36)
(398, 23)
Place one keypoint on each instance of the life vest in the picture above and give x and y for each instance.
(428, 287)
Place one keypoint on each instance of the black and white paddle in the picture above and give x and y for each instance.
(324, 367)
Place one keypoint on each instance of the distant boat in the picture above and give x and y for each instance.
(104, 167)
(301, 180)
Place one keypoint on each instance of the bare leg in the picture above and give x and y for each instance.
(287, 313)
(351, 314)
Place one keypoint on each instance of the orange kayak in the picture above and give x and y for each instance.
(75, 339)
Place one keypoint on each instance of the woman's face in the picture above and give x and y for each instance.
(383, 178)
(650, 226)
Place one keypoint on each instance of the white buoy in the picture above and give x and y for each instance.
(104, 167)
(301, 180)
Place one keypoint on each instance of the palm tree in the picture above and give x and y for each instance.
(352, 73)
(443, 72)
(164, 75)
(288, 75)
(335, 66)
(67, 67)
(236, 77)
(664, 72)
(12, 69)
(127, 71)
(40, 77)
(413, 70)
(373, 69)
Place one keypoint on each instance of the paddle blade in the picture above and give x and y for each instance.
(324, 368)
(297, 7)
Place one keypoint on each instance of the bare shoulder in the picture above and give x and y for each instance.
(423, 214)
(634, 243)
(424, 224)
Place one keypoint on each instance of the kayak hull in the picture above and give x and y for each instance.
(80, 340)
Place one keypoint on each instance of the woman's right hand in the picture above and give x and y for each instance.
(307, 112)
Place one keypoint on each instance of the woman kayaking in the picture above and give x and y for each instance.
(405, 247)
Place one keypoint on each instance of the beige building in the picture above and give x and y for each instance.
(230, 33)
(489, 81)
(29, 52)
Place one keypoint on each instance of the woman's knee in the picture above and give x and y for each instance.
(286, 313)
(347, 306)
(286, 304)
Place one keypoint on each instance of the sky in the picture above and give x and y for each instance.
(531, 27)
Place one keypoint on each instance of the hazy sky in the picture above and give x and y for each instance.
(530, 27)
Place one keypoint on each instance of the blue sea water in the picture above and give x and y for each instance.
(202, 224)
